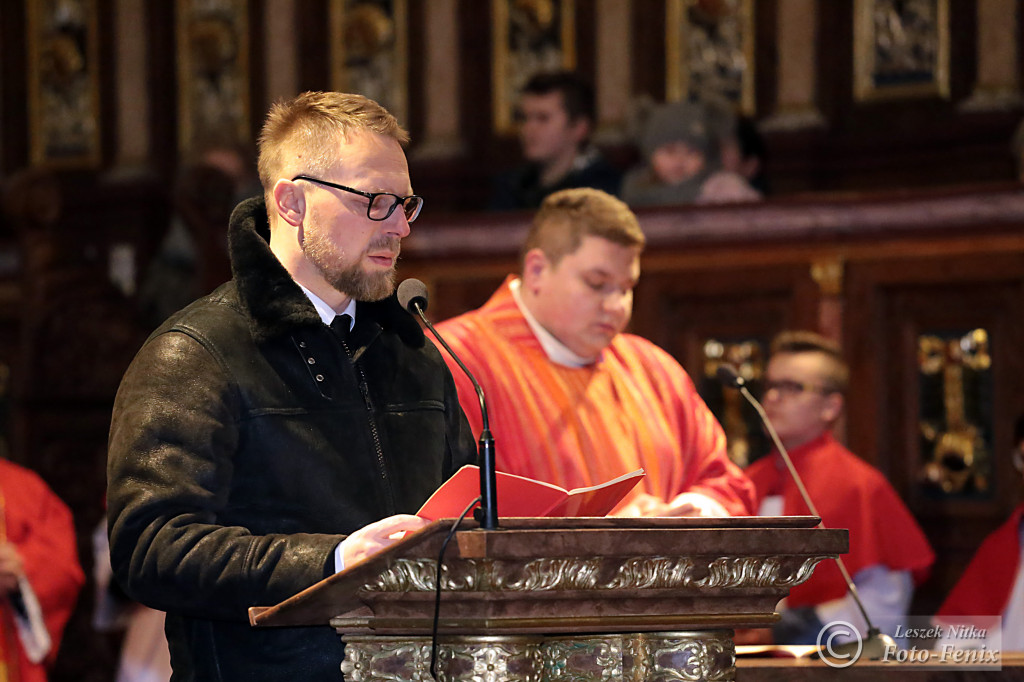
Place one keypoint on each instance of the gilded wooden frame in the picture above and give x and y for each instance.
(507, 77)
(870, 82)
(63, 83)
(678, 71)
(381, 36)
(213, 72)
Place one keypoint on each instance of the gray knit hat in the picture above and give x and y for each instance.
(676, 122)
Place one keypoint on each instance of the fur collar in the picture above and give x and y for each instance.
(274, 302)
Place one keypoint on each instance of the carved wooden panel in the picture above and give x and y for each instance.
(891, 307)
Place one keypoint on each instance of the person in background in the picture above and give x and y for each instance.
(993, 582)
(682, 162)
(143, 656)
(805, 382)
(40, 576)
(556, 119)
(290, 423)
(574, 401)
(744, 152)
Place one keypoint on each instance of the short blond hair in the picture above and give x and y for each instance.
(307, 127)
(566, 217)
(837, 373)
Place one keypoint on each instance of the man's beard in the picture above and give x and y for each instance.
(351, 279)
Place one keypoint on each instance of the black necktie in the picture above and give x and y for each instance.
(341, 325)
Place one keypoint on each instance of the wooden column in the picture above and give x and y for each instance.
(997, 85)
(280, 53)
(133, 116)
(441, 136)
(613, 87)
(796, 87)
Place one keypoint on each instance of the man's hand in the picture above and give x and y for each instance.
(376, 536)
(686, 504)
(643, 505)
(11, 568)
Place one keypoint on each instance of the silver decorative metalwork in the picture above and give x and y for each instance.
(553, 574)
(418, 575)
(467, 659)
(631, 657)
(692, 656)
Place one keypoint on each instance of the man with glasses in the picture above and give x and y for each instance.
(291, 422)
(804, 385)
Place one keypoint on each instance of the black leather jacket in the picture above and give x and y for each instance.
(247, 439)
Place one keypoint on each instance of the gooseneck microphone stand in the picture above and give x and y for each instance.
(412, 295)
(877, 642)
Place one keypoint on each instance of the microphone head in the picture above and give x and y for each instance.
(412, 293)
(728, 375)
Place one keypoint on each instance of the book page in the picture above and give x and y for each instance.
(517, 495)
(598, 500)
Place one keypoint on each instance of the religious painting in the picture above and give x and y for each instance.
(213, 72)
(901, 48)
(369, 51)
(63, 82)
(710, 52)
(745, 439)
(529, 37)
(955, 399)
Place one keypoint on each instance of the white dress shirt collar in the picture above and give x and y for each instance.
(326, 312)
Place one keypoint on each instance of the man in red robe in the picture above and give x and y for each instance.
(39, 574)
(571, 399)
(889, 554)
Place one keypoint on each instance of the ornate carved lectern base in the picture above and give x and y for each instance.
(563, 600)
(705, 655)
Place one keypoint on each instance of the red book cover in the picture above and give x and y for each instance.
(521, 496)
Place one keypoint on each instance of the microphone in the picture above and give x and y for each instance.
(877, 642)
(412, 295)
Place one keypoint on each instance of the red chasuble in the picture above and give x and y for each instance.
(851, 494)
(984, 588)
(40, 526)
(576, 427)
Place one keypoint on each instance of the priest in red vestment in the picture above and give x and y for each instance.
(39, 574)
(889, 554)
(574, 401)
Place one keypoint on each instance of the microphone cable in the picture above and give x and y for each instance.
(437, 587)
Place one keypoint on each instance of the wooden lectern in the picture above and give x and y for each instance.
(564, 598)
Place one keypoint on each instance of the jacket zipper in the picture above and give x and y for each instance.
(365, 390)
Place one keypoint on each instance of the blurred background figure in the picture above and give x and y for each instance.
(192, 259)
(744, 153)
(993, 583)
(556, 118)
(39, 573)
(682, 161)
(144, 654)
(805, 385)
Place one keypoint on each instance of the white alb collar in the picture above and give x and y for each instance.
(556, 351)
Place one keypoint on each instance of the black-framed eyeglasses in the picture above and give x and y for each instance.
(382, 204)
(789, 388)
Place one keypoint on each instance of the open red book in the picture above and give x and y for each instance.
(521, 496)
